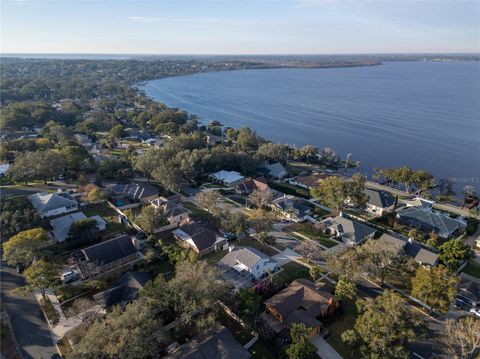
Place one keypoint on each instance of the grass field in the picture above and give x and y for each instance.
(290, 272)
(252, 242)
(308, 231)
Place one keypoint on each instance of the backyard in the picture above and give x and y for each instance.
(344, 320)
(307, 230)
(472, 268)
(290, 272)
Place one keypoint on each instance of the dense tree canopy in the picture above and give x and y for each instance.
(24, 247)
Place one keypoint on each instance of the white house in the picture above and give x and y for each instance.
(249, 259)
(174, 212)
(227, 178)
(61, 225)
(52, 204)
(379, 201)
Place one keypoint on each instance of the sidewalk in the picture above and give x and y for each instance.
(65, 324)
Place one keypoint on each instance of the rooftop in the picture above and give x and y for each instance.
(350, 230)
(110, 251)
(247, 256)
(227, 176)
(381, 199)
(44, 201)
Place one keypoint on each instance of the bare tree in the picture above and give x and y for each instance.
(310, 250)
(260, 198)
(462, 337)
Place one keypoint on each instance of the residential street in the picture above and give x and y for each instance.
(29, 325)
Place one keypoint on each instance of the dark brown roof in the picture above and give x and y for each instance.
(300, 300)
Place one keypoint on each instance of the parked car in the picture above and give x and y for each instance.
(475, 311)
(69, 276)
(19, 268)
(230, 236)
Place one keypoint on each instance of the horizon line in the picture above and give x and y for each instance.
(240, 54)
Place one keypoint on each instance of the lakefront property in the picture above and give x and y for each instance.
(245, 204)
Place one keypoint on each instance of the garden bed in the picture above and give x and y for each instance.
(49, 310)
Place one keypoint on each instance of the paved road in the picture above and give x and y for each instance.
(28, 323)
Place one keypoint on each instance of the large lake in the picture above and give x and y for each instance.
(422, 114)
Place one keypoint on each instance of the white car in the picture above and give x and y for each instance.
(475, 311)
(69, 276)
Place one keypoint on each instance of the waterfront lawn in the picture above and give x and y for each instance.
(472, 268)
(290, 272)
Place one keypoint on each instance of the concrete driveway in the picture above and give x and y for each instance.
(29, 325)
(286, 256)
(324, 350)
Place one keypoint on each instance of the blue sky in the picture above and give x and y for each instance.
(239, 27)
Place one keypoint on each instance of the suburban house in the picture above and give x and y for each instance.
(61, 225)
(202, 240)
(52, 204)
(124, 290)
(83, 140)
(427, 220)
(379, 202)
(252, 184)
(275, 170)
(133, 192)
(227, 178)
(308, 182)
(105, 256)
(468, 289)
(251, 260)
(349, 231)
(172, 209)
(217, 343)
(301, 302)
(419, 253)
(291, 208)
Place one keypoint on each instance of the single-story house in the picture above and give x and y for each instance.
(291, 208)
(202, 240)
(379, 202)
(301, 302)
(105, 256)
(468, 289)
(275, 170)
(61, 225)
(134, 192)
(217, 343)
(124, 290)
(419, 253)
(252, 184)
(251, 260)
(349, 231)
(227, 178)
(427, 220)
(172, 210)
(308, 182)
(52, 204)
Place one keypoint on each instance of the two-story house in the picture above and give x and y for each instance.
(251, 260)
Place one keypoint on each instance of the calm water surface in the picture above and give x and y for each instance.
(422, 114)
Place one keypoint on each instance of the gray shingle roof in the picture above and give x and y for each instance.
(289, 204)
(215, 344)
(277, 170)
(444, 225)
(44, 201)
(124, 290)
(202, 237)
(136, 191)
(421, 254)
(61, 226)
(248, 256)
(381, 199)
(110, 251)
(351, 230)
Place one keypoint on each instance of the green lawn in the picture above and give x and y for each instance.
(308, 231)
(344, 321)
(263, 350)
(252, 242)
(290, 272)
(103, 210)
(197, 212)
(472, 268)
(214, 257)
